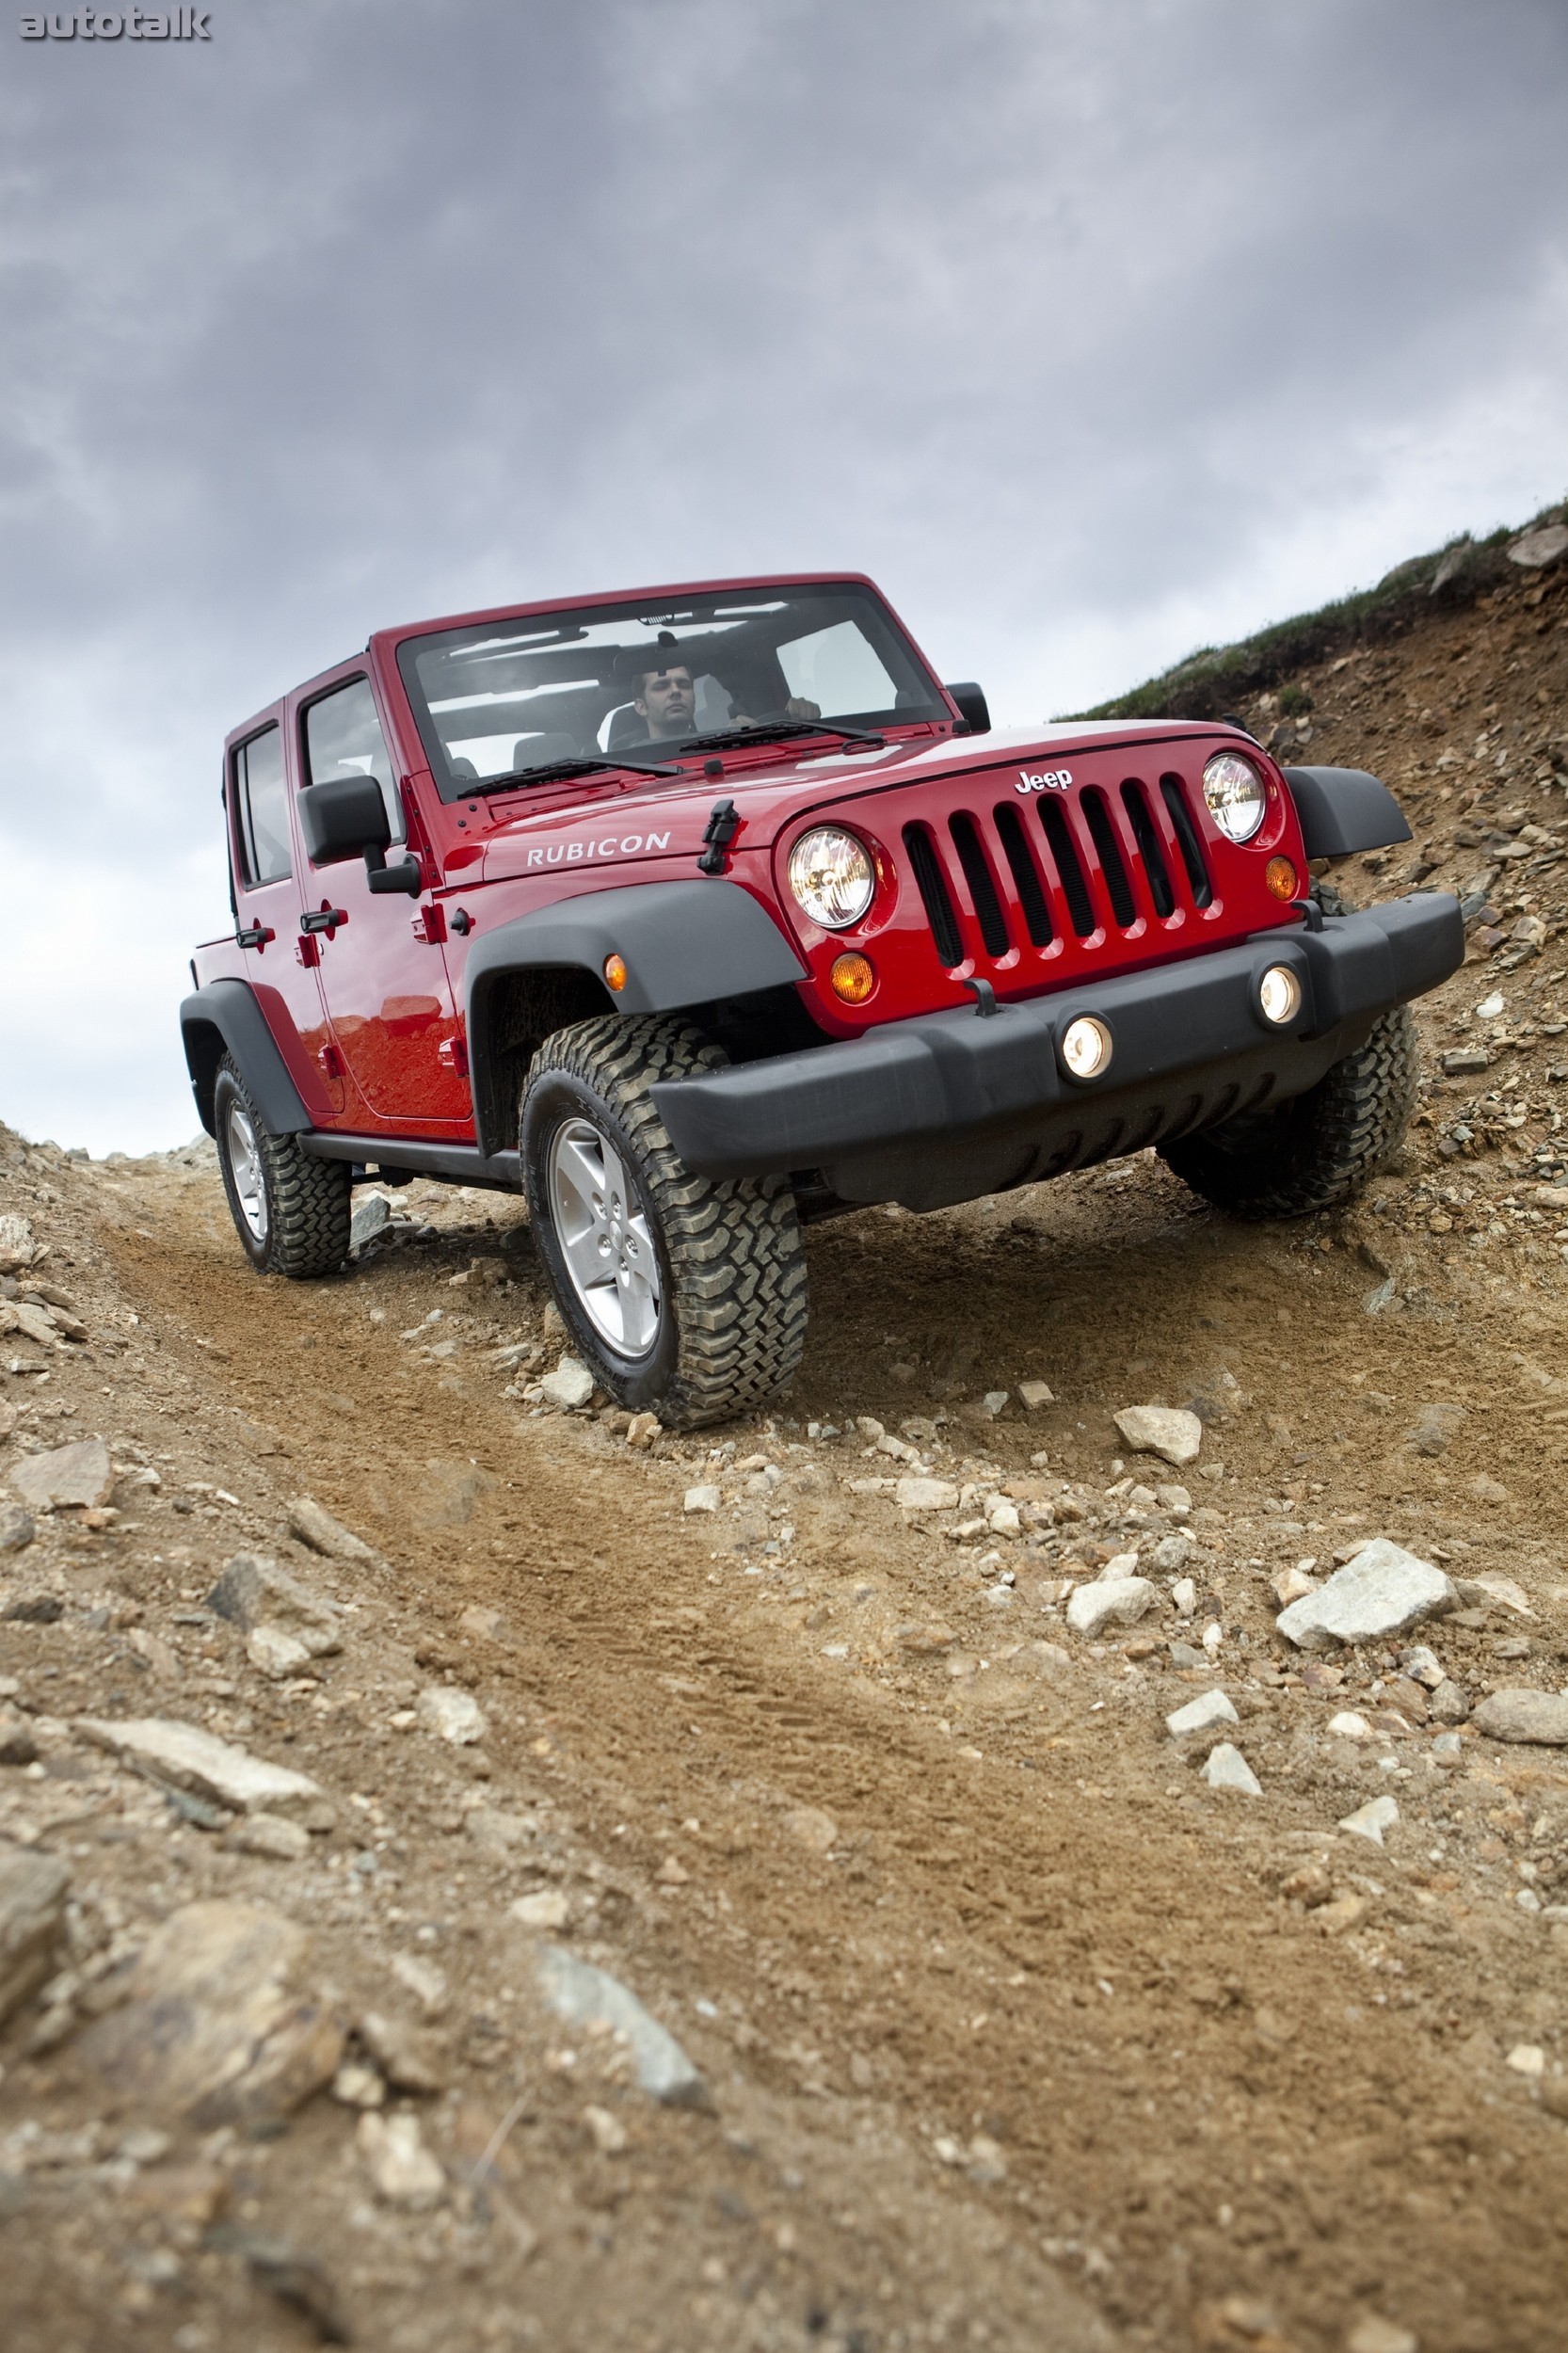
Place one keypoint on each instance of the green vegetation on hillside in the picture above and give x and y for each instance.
(1218, 679)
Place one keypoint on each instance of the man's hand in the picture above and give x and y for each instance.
(798, 707)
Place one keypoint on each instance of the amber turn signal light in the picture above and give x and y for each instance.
(853, 977)
(614, 972)
(1281, 878)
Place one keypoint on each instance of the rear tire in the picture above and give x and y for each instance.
(1319, 1149)
(684, 1295)
(290, 1212)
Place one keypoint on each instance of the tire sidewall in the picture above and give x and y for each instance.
(229, 1090)
(556, 1098)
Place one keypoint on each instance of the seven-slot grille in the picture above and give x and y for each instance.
(1080, 866)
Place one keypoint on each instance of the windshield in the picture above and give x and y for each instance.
(506, 698)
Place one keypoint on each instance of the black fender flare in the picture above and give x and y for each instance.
(683, 943)
(1343, 811)
(225, 1015)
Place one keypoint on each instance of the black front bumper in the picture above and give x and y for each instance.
(950, 1105)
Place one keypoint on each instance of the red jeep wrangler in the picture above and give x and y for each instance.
(698, 913)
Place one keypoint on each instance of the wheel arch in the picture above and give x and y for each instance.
(1343, 811)
(224, 1018)
(684, 944)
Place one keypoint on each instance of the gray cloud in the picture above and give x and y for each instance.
(1090, 330)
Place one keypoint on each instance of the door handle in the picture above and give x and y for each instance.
(323, 920)
(254, 935)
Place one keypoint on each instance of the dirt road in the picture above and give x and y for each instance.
(1015, 1994)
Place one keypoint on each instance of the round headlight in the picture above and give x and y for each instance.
(1234, 791)
(832, 877)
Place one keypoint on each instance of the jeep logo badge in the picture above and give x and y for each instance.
(1048, 780)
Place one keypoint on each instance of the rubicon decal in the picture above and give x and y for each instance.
(1044, 780)
(611, 845)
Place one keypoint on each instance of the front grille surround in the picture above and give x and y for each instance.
(1084, 870)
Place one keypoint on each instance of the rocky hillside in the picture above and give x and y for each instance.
(1059, 1834)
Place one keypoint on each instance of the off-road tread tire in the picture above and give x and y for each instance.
(733, 1259)
(308, 1200)
(1319, 1149)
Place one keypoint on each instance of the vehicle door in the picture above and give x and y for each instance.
(384, 986)
(267, 918)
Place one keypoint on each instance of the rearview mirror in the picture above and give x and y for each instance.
(971, 700)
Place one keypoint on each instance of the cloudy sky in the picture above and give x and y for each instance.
(1094, 330)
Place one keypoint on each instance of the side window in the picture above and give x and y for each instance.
(261, 809)
(343, 738)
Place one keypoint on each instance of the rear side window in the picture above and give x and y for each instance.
(261, 809)
(343, 738)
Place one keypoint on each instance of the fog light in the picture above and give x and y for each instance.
(1280, 875)
(1086, 1046)
(614, 972)
(1279, 992)
(853, 977)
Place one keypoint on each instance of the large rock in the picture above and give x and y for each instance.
(187, 1758)
(1201, 1715)
(315, 1526)
(286, 1621)
(32, 1922)
(1371, 1819)
(16, 1528)
(1168, 1431)
(926, 1494)
(456, 1714)
(1110, 1601)
(1540, 1716)
(78, 1474)
(1535, 549)
(568, 1387)
(586, 1996)
(1227, 1769)
(218, 2025)
(1381, 1591)
(402, 2171)
(372, 1216)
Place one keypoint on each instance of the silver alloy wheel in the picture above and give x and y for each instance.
(605, 1237)
(244, 1166)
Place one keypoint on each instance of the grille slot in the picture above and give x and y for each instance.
(932, 885)
(983, 891)
(1187, 840)
(1070, 869)
(1026, 875)
(1149, 850)
(1113, 865)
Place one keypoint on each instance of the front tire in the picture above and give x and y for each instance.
(1318, 1149)
(684, 1295)
(290, 1212)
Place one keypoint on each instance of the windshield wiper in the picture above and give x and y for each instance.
(780, 731)
(552, 771)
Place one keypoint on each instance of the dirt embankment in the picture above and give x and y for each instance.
(1007, 2027)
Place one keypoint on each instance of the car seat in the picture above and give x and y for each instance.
(537, 751)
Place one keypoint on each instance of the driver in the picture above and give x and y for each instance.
(664, 699)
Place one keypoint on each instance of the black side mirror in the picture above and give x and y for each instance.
(343, 818)
(346, 817)
(971, 700)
